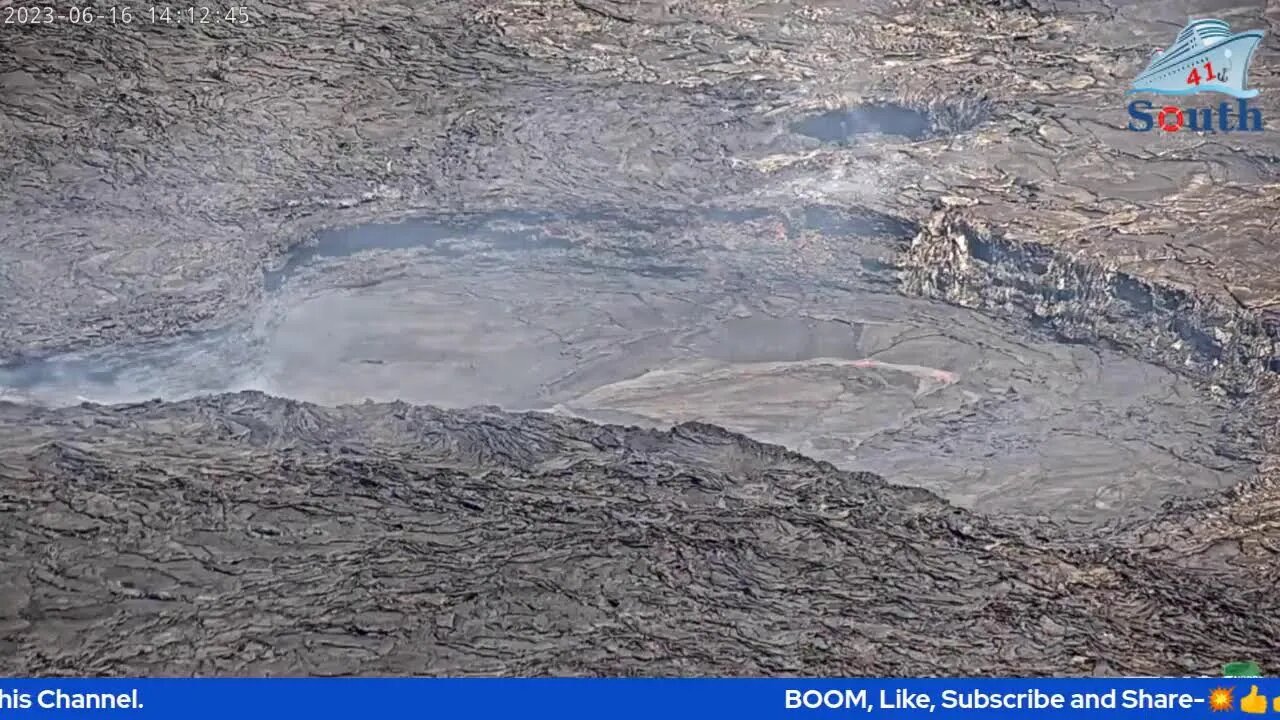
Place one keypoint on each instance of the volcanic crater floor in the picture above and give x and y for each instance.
(814, 350)
(629, 230)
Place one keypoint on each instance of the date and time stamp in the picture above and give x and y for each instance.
(160, 15)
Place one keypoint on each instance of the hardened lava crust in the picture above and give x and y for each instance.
(245, 534)
(910, 237)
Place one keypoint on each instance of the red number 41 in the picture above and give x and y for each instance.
(1193, 78)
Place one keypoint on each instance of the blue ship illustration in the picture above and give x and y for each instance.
(1205, 57)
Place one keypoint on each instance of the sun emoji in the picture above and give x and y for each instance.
(1220, 699)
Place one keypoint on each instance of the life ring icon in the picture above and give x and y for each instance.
(1170, 118)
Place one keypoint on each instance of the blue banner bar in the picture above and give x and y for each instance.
(1221, 698)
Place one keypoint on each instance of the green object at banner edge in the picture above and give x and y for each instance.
(1241, 669)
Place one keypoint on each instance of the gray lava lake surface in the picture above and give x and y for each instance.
(790, 330)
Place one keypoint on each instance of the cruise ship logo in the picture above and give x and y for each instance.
(1205, 57)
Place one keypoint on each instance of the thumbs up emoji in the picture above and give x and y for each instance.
(1253, 703)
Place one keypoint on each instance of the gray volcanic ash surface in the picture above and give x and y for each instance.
(1017, 364)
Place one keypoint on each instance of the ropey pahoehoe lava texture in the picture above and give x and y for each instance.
(245, 534)
(913, 240)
